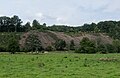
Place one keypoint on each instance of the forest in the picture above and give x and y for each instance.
(11, 29)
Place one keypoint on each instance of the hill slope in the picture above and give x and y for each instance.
(48, 38)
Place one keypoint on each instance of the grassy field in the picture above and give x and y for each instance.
(60, 65)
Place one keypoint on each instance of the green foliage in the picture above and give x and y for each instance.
(72, 45)
(116, 44)
(49, 48)
(44, 24)
(13, 45)
(87, 46)
(12, 24)
(101, 48)
(27, 27)
(16, 22)
(60, 44)
(2, 49)
(32, 43)
(5, 39)
(35, 24)
(111, 48)
(63, 28)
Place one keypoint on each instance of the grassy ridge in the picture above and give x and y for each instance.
(60, 65)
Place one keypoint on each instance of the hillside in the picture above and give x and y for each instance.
(48, 38)
(93, 38)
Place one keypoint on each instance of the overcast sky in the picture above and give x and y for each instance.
(70, 12)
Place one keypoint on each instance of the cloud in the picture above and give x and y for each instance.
(113, 6)
(73, 12)
(48, 18)
(40, 16)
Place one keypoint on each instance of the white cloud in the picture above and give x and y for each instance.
(40, 16)
(113, 7)
(60, 20)
(74, 12)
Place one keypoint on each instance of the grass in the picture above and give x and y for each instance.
(60, 65)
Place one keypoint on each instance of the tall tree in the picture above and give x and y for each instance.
(72, 45)
(44, 24)
(16, 22)
(32, 43)
(35, 24)
(116, 44)
(13, 45)
(27, 26)
(87, 46)
(60, 44)
(4, 24)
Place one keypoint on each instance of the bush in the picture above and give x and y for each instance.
(110, 48)
(2, 49)
(72, 45)
(60, 44)
(49, 48)
(13, 46)
(102, 49)
(86, 46)
(33, 43)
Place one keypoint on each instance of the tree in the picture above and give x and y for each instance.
(101, 48)
(43, 27)
(13, 46)
(12, 24)
(87, 46)
(33, 43)
(96, 29)
(72, 45)
(27, 26)
(4, 24)
(16, 22)
(2, 48)
(44, 24)
(60, 44)
(36, 24)
(110, 48)
(116, 44)
(49, 48)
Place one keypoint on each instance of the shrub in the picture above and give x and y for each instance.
(33, 43)
(2, 49)
(86, 46)
(60, 44)
(49, 48)
(72, 45)
(13, 46)
(102, 49)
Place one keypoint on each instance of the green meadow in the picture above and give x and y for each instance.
(60, 65)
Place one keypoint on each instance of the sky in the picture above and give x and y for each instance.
(67, 12)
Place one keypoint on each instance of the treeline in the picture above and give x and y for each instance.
(111, 28)
(89, 46)
(14, 24)
(10, 43)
